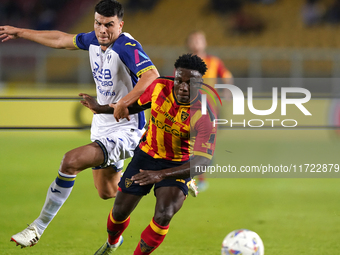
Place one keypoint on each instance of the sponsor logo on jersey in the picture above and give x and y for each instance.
(130, 44)
(167, 128)
(140, 58)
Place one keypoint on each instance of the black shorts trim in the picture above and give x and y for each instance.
(106, 155)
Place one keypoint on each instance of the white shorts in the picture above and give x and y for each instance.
(117, 146)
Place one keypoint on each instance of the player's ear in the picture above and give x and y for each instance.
(121, 24)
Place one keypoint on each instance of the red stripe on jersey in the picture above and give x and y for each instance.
(164, 93)
(168, 141)
(169, 153)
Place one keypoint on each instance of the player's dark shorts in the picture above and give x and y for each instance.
(142, 160)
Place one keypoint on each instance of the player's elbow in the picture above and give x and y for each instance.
(198, 164)
(151, 75)
(154, 73)
(64, 41)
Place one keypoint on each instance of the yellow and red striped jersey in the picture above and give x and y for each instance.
(216, 68)
(176, 130)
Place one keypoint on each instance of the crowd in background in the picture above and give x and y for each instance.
(43, 14)
(36, 14)
(315, 13)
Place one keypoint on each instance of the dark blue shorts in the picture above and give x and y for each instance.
(142, 160)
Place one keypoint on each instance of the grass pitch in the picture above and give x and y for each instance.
(292, 215)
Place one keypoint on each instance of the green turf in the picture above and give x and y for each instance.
(293, 216)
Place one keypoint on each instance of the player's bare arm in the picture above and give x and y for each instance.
(53, 39)
(145, 80)
(146, 177)
(91, 103)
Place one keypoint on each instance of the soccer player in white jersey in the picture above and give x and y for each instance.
(121, 71)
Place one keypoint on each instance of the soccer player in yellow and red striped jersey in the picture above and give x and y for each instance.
(216, 73)
(197, 43)
(169, 130)
(179, 137)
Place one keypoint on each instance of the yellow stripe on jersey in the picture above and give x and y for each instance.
(212, 68)
(195, 118)
(75, 41)
(145, 69)
(158, 230)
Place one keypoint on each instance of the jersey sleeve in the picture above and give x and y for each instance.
(146, 97)
(134, 57)
(84, 40)
(205, 140)
(222, 71)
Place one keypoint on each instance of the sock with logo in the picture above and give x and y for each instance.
(151, 238)
(57, 194)
(116, 228)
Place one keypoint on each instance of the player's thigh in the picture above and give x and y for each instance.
(169, 201)
(83, 157)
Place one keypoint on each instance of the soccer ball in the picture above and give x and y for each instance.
(242, 242)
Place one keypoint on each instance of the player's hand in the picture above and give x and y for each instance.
(8, 33)
(145, 177)
(90, 102)
(120, 111)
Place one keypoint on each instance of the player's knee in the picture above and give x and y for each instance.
(69, 165)
(119, 214)
(107, 190)
(163, 217)
(106, 194)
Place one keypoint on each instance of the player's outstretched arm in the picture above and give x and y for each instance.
(145, 80)
(91, 103)
(146, 177)
(53, 39)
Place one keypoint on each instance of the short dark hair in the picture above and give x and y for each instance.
(110, 8)
(193, 62)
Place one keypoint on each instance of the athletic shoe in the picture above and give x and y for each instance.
(108, 249)
(193, 190)
(27, 237)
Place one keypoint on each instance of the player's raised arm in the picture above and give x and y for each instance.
(53, 39)
(145, 80)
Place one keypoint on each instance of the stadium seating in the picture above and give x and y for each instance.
(169, 22)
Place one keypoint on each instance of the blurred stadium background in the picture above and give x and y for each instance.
(255, 39)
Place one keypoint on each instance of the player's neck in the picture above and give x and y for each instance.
(104, 48)
(201, 54)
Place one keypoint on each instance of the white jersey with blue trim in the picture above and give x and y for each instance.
(115, 73)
